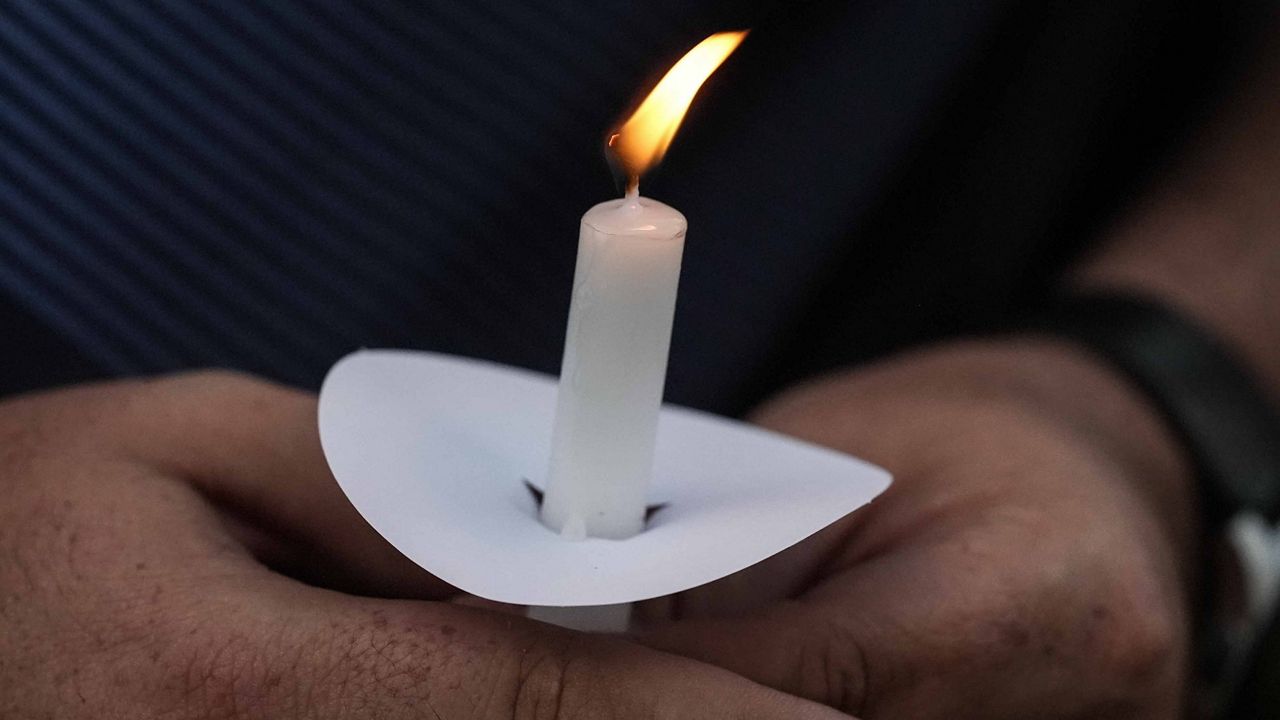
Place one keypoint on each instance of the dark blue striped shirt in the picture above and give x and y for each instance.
(269, 185)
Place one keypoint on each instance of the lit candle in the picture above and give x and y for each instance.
(619, 333)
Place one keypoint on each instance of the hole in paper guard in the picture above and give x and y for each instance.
(537, 494)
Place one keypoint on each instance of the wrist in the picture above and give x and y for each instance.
(1083, 395)
(1164, 252)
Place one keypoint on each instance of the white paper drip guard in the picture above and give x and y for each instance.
(434, 452)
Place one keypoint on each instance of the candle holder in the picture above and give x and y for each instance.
(438, 454)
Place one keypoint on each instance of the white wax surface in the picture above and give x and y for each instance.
(615, 365)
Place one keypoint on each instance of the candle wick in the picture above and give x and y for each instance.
(633, 187)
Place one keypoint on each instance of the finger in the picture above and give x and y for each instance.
(941, 630)
(795, 647)
(342, 658)
(148, 605)
(253, 448)
(916, 632)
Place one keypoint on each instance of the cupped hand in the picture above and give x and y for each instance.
(138, 525)
(1027, 562)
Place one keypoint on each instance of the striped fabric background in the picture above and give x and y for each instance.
(269, 185)
(257, 184)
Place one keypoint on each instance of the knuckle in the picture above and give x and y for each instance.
(1133, 626)
(842, 679)
(541, 686)
(1145, 646)
(227, 676)
(381, 664)
(209, 676)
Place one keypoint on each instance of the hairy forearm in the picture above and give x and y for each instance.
(1207, 239)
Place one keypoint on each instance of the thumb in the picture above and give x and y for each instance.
(253, 448)
(790, 647)
(402, 659)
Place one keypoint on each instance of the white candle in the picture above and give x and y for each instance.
(614, 369)
(624, 296)
(615, 352)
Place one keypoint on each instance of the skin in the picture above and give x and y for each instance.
(1034, 557)
(1020, 562)
(132, 583)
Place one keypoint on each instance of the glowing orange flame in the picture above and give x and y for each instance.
(643, 139)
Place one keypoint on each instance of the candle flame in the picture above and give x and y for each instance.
(643, 139)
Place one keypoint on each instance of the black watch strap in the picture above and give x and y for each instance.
(1229, 429)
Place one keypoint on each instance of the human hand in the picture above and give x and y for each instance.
(135, 524)
(1025, 563)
